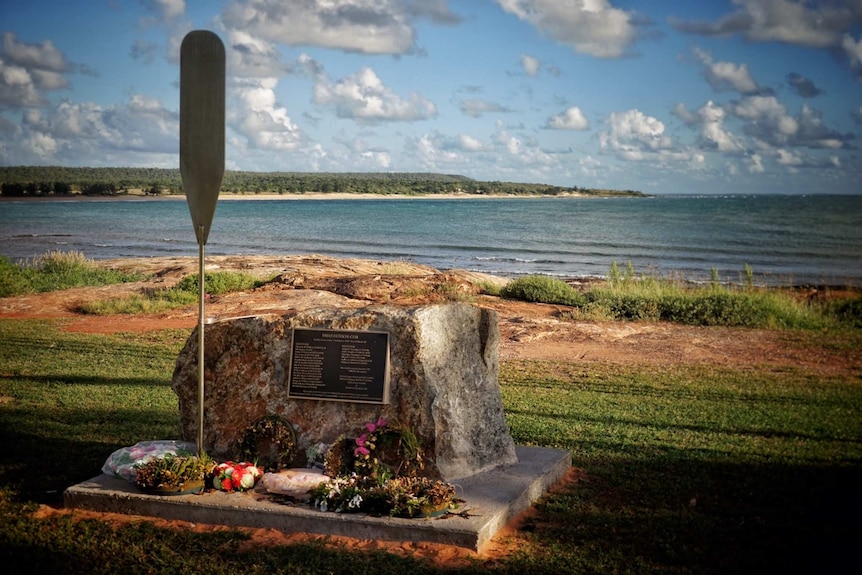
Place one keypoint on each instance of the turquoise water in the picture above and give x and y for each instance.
(785, 239)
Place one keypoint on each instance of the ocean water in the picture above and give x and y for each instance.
(785, 239)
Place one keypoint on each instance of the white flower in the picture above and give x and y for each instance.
(355, 502)
(247, 480)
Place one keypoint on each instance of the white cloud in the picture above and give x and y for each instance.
(632, 135)
(469, 143)
(727, 75)
(786, 158)
(456, 144)
(530, 64)
(475, 107)
(435, 151)
(684, 114)
(42, 56)
(853, 50)
(357, 152)
(436, 10)
(570, 119)
(28, 69)
(767, 120)
(140, 131)
(363, 97)
(712, 132)
(250, 56)
(165, 9)
(522, 151)
(258, 117)
(755, 164)
(812, 24)
(813, 133)
(17, 87)
(369, 26)
(591, 27)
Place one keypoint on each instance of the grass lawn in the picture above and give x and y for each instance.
(686, 469)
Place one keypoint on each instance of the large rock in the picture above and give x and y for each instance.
(443, 383)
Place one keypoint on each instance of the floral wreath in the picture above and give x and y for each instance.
(387, 450)
(270, 441)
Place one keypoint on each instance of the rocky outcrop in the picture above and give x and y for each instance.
(443, 383)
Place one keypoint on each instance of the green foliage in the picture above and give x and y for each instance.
(628, 297)
(27, 181)
(847, 311)
(56, 271)
(218, 283)
(490, 288)
(542, 289)
(174, 470)
(186, 292)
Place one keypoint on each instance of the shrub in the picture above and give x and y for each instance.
(622, 305)
(218, 283)
(542, 289)
(847, 311)
(56, 271)
(628, 297)
(183, 294)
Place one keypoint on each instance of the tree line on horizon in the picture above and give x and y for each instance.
(33, 181)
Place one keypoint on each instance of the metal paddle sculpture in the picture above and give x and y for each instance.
(202, 134)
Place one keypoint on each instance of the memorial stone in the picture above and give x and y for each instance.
(443, 362)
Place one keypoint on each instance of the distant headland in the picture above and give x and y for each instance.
(65, 182)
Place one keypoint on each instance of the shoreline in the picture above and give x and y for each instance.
(295, 197)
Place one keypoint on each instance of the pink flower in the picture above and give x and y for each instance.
(372, 427)
(360, 441)
(361, 451)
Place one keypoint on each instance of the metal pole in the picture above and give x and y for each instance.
(201, 297)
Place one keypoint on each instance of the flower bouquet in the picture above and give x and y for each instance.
(173, 474)
(406, 497)
(124, 461)
(418, 497)
(230, 476)
(376, 473)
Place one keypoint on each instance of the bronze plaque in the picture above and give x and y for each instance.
(339, 365)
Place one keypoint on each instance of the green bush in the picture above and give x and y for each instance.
(622, 305)
(542, 289)
(628, 297)
(218, 283)
(183, 294)
(847, 311)
(57, 271)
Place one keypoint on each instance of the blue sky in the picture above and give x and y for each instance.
(736, 96)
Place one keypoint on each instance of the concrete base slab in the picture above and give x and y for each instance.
(491, 499)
